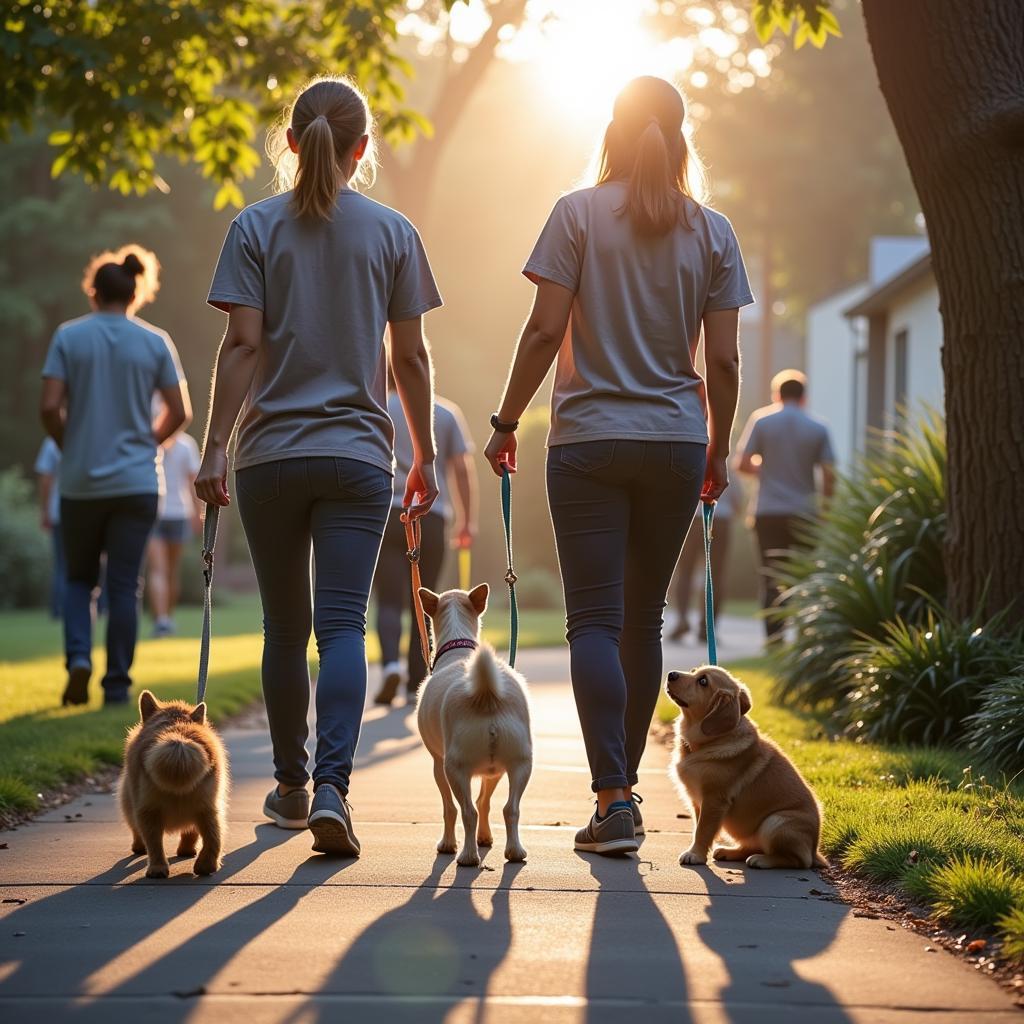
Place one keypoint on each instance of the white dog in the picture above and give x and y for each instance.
(474, 717)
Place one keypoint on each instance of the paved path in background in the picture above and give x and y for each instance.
(280, 935)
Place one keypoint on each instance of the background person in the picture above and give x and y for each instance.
(640, 265)
(179, 521)
(46, 468)
(783, 446)
(455, 472)
(99, 379)
(311, 280)
(691, 562)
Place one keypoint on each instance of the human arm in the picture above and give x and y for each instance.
(541, 338)
(414, 381)
(175, 413)
(236, 364)
(749, 464)
(722, 362)
(44, 491)
(828, 481)
(463, 474)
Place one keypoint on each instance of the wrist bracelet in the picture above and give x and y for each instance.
(503, 428)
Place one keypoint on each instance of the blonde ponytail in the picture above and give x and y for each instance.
(653, 201)
(316, 182)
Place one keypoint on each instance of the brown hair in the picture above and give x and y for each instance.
(129, 277)
(645, 146)
(329, 117)
(789, 385)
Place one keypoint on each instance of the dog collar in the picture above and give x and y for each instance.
(463, 644)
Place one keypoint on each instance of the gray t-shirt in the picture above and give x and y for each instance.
(451, 439)
(628, 370)
(327, 291)
(112, 364)
(791, 444)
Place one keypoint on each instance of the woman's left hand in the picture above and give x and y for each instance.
(501, 450)
(212, 478)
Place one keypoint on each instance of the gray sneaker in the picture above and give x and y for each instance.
(330, 821)
(638, 818)
(288, 811)
(614, 833)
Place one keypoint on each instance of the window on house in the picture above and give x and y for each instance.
(899, 375)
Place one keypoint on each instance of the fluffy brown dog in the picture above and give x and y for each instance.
(738, 780)
(175, 779)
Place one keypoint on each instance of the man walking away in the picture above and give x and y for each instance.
(783, 447)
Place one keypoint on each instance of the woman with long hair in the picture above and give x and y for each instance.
(100, 376)
(311, 279)
(639, 265)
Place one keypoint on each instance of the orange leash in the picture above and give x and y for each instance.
(413, 532)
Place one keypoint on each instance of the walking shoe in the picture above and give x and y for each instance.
(330, 821)
(613, 833)
(638, 818)
(288, 811)
(392, 674)
(113, 698)
(163, 627)
(77, 689)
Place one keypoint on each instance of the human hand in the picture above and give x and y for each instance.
(422, 484)
(501, 450)
(212, 478)
(716, 476)
(464, 536)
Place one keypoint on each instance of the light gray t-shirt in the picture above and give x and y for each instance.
(628, 370)
(327, 291)
(451, 439)
(112, 365)
(791, 444)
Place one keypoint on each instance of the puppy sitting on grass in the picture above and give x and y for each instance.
(737, 780)
(175, 780)
(474, 718)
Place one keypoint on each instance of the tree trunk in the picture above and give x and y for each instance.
(953, 77)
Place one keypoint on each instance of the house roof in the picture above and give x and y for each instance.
(879, 299)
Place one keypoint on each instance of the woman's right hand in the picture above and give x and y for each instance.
(212, 478)
(422, 484)
(502, 450)
(716, 477)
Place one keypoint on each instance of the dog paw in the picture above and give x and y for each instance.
(515, 854)
(485, 839)
(158, 871)
(692, 856)
(728, 853)
(206, 865)
(759, 860)
(446, 846)
(468, 859)
(186, 851)
(138, 849)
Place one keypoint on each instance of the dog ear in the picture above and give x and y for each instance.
(148, 705)
(723, 715)
(199, 713)
(429, 600)
(478, 598)
(745, 704)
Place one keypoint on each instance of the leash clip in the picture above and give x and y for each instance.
(510, 577)
(413, 554)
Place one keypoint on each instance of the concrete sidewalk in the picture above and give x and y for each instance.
(404, 935)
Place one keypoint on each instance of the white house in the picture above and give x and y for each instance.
(875, 346)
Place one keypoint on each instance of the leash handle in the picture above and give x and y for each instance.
(210, 522)
(708, 512)
(413, 535)
(510, 574)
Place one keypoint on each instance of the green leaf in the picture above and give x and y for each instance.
(764, 19)
(228, 193)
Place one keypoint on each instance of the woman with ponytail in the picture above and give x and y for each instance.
(311, 279)
(640, 266)
(100, 376)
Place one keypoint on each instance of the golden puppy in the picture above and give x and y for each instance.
(738, 780)
(175, 780)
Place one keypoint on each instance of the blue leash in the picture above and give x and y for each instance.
(510, 575)
(708, 510)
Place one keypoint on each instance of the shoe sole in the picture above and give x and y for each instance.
(331, 835)
(389, 688)
(296, 824)
(639, 830)
(77, 690)
(611, 846)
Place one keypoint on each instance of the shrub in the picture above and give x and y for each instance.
(975, 892)
(1012, 927)
(995, 732)
(874, 556)
(25, 560)
(922, 683)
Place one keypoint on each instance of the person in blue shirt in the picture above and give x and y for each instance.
(99, 379)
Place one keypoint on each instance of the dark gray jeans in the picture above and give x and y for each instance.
(620, 510)
(339, 508)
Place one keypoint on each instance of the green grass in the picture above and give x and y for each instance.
(43, 745)
(919, 817)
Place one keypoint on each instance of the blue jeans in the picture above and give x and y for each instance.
(620, 510)
(58, 579)
(118, 527)
(337, 507)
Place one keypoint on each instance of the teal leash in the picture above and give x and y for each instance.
(210, 521)
(510, 575)
(708, 509)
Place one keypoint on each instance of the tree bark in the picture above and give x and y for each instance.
(953, 77)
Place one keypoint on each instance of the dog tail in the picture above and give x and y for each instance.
(177, 763)
(486, 687)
